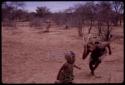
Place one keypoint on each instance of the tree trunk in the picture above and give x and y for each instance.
(91, 24)
(108, 32)
(99, 28)
(80, 31)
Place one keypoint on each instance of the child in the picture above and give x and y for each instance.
(65, 74)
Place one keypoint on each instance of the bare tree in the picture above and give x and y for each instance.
(118, 7)
(11, 11)
(42, 11)
(100, 13)
(90, 13)
(80, 16)
(104, 18)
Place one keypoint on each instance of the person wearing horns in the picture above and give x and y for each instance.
(98, 49)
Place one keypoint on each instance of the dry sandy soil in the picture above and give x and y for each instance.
(30, 56)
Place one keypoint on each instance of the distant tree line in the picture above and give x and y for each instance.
(103, 14)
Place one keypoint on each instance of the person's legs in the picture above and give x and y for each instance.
(91, 63)
(96, 65)
(97, 62)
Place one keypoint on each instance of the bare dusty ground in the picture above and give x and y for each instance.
(30, 56)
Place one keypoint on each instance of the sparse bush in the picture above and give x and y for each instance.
(36, 23)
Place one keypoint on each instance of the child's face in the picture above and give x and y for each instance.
(70, 60)
(70, 57)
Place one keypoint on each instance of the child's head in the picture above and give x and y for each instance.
(70, 57)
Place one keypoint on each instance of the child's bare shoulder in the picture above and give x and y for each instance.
(65, 64)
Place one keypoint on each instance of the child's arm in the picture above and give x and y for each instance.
(59, 73)
(77, 67)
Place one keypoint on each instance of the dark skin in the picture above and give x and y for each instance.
(96, 52)
(64, 67)
(67, 68)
